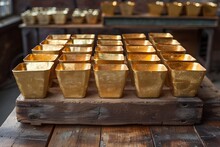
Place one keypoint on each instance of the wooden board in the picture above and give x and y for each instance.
(92, 110)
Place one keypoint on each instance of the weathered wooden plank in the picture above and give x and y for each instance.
(209, 132)
(175, 136)
(13, 133)
(126, 136)
(80, 136)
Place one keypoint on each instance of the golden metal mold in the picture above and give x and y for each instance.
(33, 78)
(83, 36)
(170, 49)
(209, 9)
(54, 42)
(110, 79)
(157, 8)
(177, 57)
(75, 58)
(174, 9)
(135, 36)
(109, 49)
(106, 58)
(58, 37)
(137, 42)
(81, 42)
(140, 49)
(47, 49)
(185, 78)
(149, 79)
(109, 43)
(143, 58)
(108, 8)
(109, 37)
(127, 7)
(77, 50)
(73, 79)
(193, 9)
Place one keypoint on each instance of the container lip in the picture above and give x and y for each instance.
(141, 59)
(109, 67)
(58, 35)
(96, 57)
(165, 58)
(88, 68)
(134, 36)
(180, 48)
(86, 57)
(162, 67)
(140, 49)
(59, 48)
(78, 49)
(83, 36)
(54, 57)
(16, 69)
(160, 35)
(109, 43)
(45, 42)
(103, 48)
(199, 69)
(134, 42)
(109, 37)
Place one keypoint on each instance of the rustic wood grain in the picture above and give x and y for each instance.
(80, 136)
(175, 136)
(209, 133)
(13, 133)
(126, 136)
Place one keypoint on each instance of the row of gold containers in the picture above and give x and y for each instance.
(68, 57)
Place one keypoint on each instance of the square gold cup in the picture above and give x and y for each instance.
(170, 49)
(73, 79)
(137, 42)
(109, 37)
(47, 49)
(177, 57)
(33, 78)
(185, 77)
(149, 79)
(75, 58)
(80, 42)
(54, 42)
(106, 58)
(143, 58)
(140, 50)
(157, 36)
(83, 36)
(58, 37)
(77, 50)
(136, 36)
(109, 43)
(110, 79)
(109, 49)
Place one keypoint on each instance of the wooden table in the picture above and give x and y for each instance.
(13, 133)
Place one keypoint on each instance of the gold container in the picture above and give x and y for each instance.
(78, 19)
(109, 43)
(137, 43)
(140, 50)
(33, 78)
(92, 18)
(108, 8)
(149, 79)
(170, 49)
(75, 58)
(109, 49)
(43, 18)
(127, 7)
(185, 77)
(110, 79)
(59, 18)
(47, 49)
(73, 79)
(157, 36)
(177, 57)
(157, 8)
(143, 58)
(109, 37)
(193, 9)
(54, 42)
(165, 42)
(174, 9)
(209, 9)
(41, 58)
(135, 36)
(28, 17)
(77, 50)
(106, 58)
(81, 42)
(58, 37)
(83, 36)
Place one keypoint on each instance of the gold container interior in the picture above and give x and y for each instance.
(149, 79)
(83, 36)
(77, 50)
(73, 79)
(81, 42)
(58, 37)
(106, 58)
(109, 49)
(47, 49)
(140, 49)
(110, 43)
(137, 42)
(109, 37)
(134, 36)
(143, 58)
(75, 58)
(166, 41)
(33, 78)
(110, 79)
(40, 58)
(170, 48)
(177, 57)
(54, 42)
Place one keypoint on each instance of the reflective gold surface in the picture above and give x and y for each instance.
(137, 42)
(140, 49)
(73, 79)
(134, 36)
(77, 50)
(47, 49)
(209, 9)
(33, 78)
(149, 79)
(143, 58)
(127, 7)
(108, 7)
(109, 49)
(59, 37)
(110, 79)
(156, 36)
(81, 42)
(174, 9)
(40, 58)
(193, 9)
(83, 36)
(165, 41)
(156, 9)
(109, 43)
(107, 58)
(75, 58)
(54, 42)
(170, 48)
(185, 78)
(109, 37)
(177, 57)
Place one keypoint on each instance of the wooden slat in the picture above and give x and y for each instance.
(209, 133)
(13, 133)
(79, 136)
(175, 136)
(126, 136)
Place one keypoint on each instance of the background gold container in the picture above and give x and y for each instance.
(44, 18)
(193, 9)
(174, 9)
(177, 57)
(110, 43)
(78, 19)
(143, 58)
(135, 36)
(149, 79)
(109, 37)
(156, 9)
(109, 49)
(33, 78)
(92, 18)
(28, 17)
(73, 79)
(170, 49)
(81, 42)
(186, 78)
(110, 79)
(47, 49)
(140, 49)
(58, 37)
(54, 42)
(83, 36)
(108, 7)
(77, 50)
(137, 42)
(106, 58)
(60, 17)
(75, 58)
(127, 7)
(209, 9)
